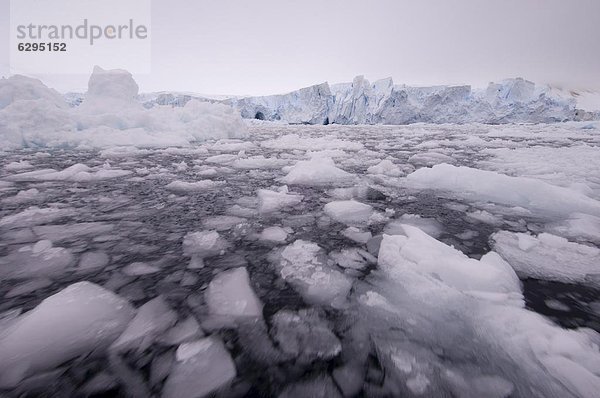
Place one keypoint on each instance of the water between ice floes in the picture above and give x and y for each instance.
(134, 219)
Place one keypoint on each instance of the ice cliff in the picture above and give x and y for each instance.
(360, 102)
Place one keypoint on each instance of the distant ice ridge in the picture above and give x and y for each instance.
(360, 102)
(33, 115)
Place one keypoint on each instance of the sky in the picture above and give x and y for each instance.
(259, 47)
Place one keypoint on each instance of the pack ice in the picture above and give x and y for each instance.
(427, 295)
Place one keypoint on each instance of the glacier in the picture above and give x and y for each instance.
(513, 100)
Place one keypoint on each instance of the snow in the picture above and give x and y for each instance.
(201, 367)
(317, 171)
(78, 319)
(349, 211)
(109, 116)
(270, 201)
(152, 319)
(303, 264)
(230, 294)
(549, 257)
(483, 185)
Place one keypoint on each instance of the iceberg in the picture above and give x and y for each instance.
(109, 115)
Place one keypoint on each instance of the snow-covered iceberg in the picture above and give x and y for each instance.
(33, 115)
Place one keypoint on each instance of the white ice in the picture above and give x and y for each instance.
(184, 187)
(427, 281)
(549, 257)
(200, 367)
(152, 319)
(270, 201)
(78, 319)
(304, 265)
(317, 171)
(230, 294)
(273, 234)
(482, 185)
(348, 211)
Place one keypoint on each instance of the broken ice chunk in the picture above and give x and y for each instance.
(39, 260)
(80, 318)
(222, 223)
(348, 211)
(35, 216)
(185, 330)
(356, 235)
(140, 268)
(93, 260)
(483, 185)
(201, 367)
(152, 318)
(549, 257)
(305, 336)
(273, 234)
(319, 387)
(385, 167)
(353, 258)
(230, 294)
(304, 265)
(270, 201)
(430, 226)
(183, 187)
(317, 171)
(203, 244)
(28, 287)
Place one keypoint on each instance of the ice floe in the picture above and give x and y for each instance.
(77, 320)
(201, 367)
(317, 171)
(549, 257)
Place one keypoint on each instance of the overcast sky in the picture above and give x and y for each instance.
(273, 46)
